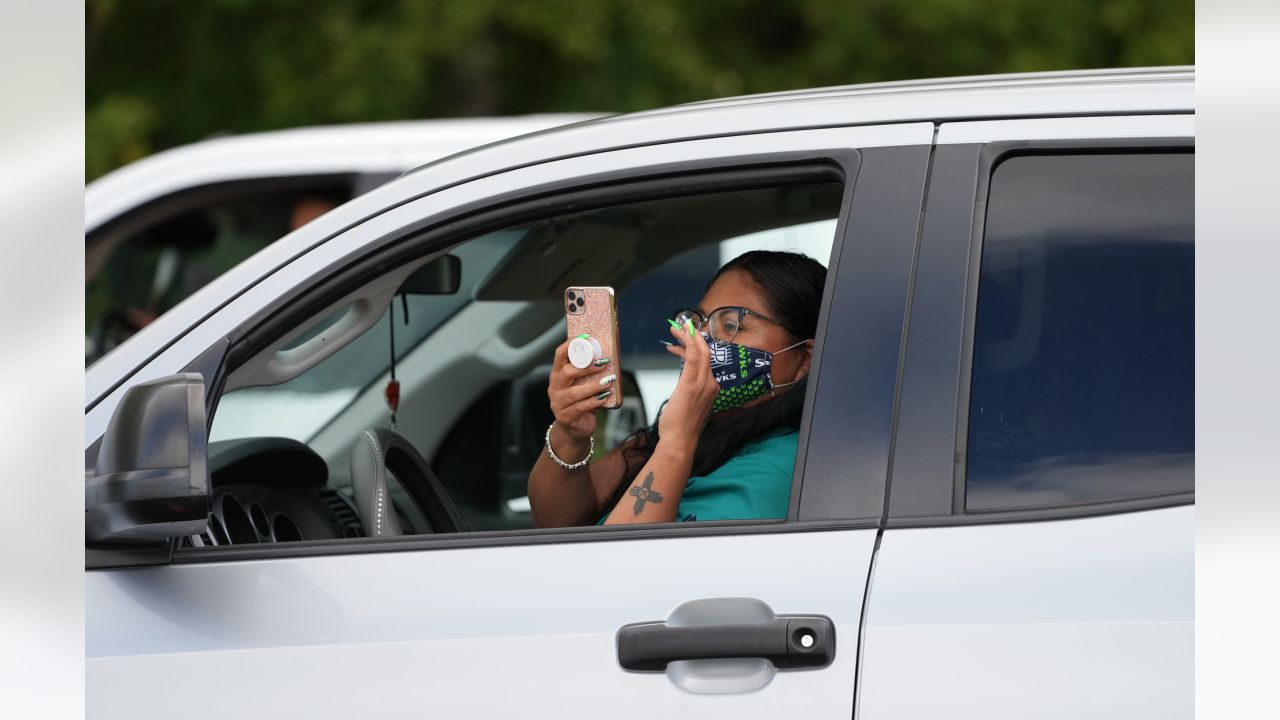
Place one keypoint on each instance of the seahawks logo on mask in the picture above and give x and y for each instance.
(743, 373)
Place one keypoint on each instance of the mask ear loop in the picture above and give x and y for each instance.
(793, 382)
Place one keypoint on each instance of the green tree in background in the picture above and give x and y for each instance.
(162, 73)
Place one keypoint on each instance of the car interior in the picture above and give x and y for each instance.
(303, 426)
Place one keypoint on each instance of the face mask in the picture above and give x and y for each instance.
(743, 373)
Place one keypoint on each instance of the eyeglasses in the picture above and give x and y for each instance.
(722, 323)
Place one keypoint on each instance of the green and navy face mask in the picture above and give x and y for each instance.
(743, 373)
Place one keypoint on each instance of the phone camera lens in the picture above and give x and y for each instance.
(572, 296)
(573, 307)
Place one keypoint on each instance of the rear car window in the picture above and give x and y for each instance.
(1082, 388)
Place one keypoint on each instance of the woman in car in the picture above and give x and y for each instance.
(724, 444)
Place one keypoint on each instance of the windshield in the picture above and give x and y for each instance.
(301, 407)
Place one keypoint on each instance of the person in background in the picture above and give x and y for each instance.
(311, 206)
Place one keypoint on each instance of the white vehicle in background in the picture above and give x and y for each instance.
(160, 228)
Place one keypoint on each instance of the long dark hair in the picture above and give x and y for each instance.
(792, 285)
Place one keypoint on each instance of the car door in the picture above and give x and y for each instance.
(528, 623)
(1038, 553)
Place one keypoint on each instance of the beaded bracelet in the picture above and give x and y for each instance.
(562, 463)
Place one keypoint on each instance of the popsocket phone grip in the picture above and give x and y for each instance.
(583, 351)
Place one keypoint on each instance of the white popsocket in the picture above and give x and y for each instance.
(584, 351)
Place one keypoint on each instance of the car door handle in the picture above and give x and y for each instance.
(789, 642)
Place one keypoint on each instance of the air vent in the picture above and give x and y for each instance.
(342, 513)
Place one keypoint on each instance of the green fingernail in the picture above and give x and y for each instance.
(601, 361)
(674, 324)
(604, 394)
(583, 336)
(689, 325)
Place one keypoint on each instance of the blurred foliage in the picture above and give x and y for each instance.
(161, 73)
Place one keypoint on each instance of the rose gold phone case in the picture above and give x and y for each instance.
(598, 317)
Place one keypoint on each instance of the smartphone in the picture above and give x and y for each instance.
(593, 311)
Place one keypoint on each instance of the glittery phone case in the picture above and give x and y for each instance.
(593, 310)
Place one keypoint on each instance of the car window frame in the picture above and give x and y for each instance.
(843, 156)
(685, 179)
(927, 484)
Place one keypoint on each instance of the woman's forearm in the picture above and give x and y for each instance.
(559, 497)
(654, 495)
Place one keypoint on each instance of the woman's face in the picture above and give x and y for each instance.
(737, 288)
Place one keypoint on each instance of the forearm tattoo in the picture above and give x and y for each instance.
(645, 493)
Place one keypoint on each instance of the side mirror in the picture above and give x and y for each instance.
(441, 276)
(151, 480)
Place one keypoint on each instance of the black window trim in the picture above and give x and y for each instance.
(509, 538)
(872, 296)
(576, 194)
(979, 161)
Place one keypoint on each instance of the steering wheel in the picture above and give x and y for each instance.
(378, 450)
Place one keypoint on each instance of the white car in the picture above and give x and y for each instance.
(993, 494)
(158, 229)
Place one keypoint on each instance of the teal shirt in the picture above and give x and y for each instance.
(754, 484)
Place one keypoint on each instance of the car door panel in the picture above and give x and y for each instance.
(1067, 609)
(484, 632)
(1091, 617)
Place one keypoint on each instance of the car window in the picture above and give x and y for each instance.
(174, 248)
(472, 391)
(1082, 387)
(301, 407)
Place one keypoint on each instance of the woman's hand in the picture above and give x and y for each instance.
(575, 406)
(560, 497)
(687, 411)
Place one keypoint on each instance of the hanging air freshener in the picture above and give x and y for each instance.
(392, 391)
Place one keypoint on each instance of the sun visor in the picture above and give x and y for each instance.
(554, 255)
